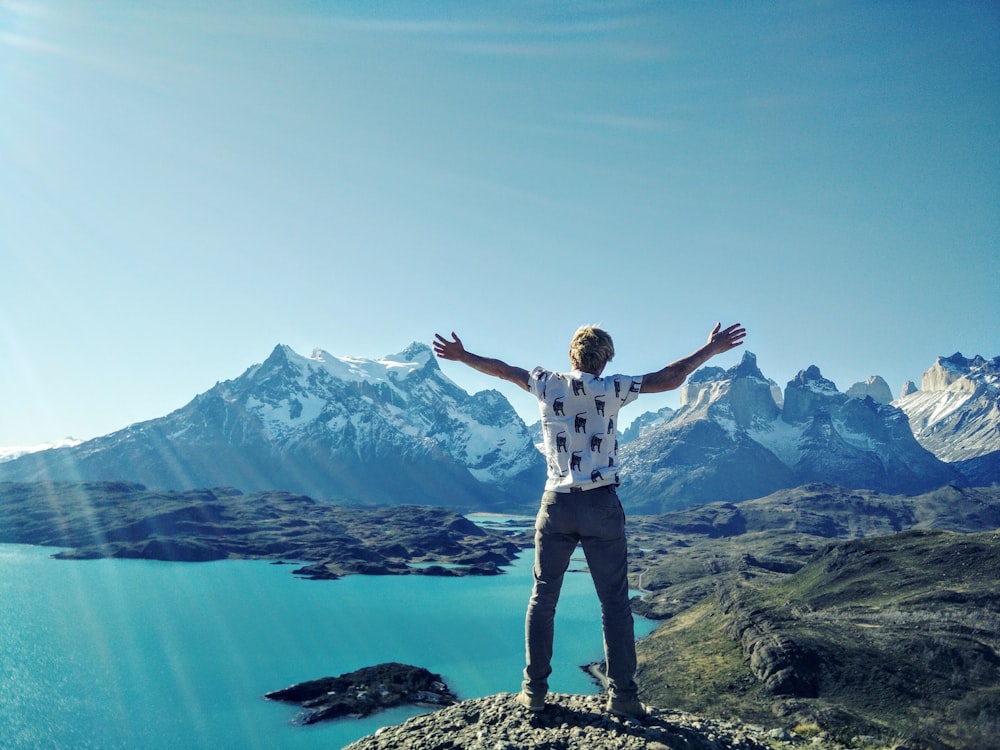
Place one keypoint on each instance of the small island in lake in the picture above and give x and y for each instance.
(364, 692)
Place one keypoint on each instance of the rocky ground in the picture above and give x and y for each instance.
(569, 722)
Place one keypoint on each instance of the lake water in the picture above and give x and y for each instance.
(138, 654)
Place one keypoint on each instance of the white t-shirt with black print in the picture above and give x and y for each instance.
(580, 425)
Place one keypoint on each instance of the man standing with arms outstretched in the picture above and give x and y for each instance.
(580, 504)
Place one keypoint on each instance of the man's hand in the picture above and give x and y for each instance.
(720, 341)
(673, 375)
(453, 349)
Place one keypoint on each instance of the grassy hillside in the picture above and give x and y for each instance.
(881, 640)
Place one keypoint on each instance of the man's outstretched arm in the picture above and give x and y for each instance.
(673, 375)
(455, 351)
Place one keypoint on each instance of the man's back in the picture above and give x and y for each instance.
(579, 425)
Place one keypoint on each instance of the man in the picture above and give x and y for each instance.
(580, 504)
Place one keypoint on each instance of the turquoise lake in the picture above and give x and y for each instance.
(136, 654)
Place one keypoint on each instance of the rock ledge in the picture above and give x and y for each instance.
(568, 722)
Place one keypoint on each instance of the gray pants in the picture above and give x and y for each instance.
(595, 520)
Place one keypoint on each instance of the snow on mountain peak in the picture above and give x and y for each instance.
(9, 453)
(391, 368)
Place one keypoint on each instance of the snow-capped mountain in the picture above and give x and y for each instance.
(732, 440)
(9, 453)
(392, 430)
(956, 414)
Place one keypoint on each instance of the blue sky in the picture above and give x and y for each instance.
(184, 185)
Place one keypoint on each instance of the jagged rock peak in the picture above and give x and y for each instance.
(807, 394)
(875, 387)
(747, 368)
(278, 361)
(958, 372)
(908, 387)
(813, 379)
(959, 362)
(279, 354)
(415, 352)
(707, 375)
(741, 393)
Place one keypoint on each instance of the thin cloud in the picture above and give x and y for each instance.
(30, 45)
(632, 123)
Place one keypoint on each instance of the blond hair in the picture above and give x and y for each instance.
(591, 349)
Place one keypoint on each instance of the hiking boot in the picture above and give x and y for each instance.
(630, 708)
(534, 703)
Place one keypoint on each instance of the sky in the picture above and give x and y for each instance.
(185, 185)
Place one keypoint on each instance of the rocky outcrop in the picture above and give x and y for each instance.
(741, 394)
(782, 665)
(498, 722)
(957, 372)
(808, 394)
(982, 471)
(874, 387)
(364, 692)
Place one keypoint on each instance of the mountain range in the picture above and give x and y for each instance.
(397, 430)
(735, 437)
